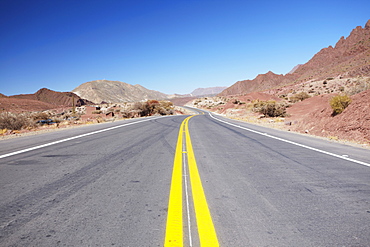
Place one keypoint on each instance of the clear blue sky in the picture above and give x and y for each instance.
(168, 46)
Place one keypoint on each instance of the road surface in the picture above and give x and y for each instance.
(110, 185)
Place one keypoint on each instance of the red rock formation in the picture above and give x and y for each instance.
(260, 83)
(349, 58)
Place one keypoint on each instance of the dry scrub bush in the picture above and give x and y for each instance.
(270, 108)
(339, 103)
(299, 97)
(40, 116)
(149, 108)
(13, 121)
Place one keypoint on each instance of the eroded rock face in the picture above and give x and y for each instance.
(115, 91)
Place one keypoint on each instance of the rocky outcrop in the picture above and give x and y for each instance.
(115, 92)
(350, 57)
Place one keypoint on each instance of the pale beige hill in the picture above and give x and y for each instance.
(115, 91)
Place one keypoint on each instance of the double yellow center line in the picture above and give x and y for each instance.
(174, 227)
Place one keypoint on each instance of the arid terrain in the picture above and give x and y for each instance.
(48, 110)
(299, 101)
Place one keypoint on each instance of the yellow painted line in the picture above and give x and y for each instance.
(206, 229)
(174, 227)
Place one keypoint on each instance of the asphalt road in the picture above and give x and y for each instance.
(111, 188)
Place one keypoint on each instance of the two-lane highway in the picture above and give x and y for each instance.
(110, 184)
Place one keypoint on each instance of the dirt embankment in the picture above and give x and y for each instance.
(314, 115)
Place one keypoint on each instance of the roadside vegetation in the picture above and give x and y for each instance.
(147, 108)
(299, 97)
(15, 122)
(29, 120)
(339, 103)
(270, 108)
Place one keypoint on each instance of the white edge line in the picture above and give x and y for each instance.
(294, 143)
(71, 138)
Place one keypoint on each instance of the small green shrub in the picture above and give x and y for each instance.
(339, 103)
(270, 108)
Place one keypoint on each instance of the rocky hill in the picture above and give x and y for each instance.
(115, 92)
(349, 58)
(11, 104)
(43, 99)
(260, 83)
(54, 98)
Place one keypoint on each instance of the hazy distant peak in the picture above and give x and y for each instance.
(294, 69)
(207, 91)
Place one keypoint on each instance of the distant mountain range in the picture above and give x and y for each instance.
(349, 58)
(90, 93)
(116, 91)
